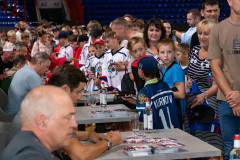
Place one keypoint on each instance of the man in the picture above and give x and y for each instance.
(193, 18)
(210, 9)
(224, 56)
(6, 61)
(26, 79)
(21, 29)
(123, 32)
(47, 118)
(74, 88)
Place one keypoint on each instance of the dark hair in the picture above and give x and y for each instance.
(209, 2)
(67, 74)
(19, 59)
(153, 74)
(171, 35)
(41, 32)
(73, 38)
(195, 13)
(157, 22)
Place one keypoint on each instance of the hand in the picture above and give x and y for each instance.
(233, 98)
(114, 137)
(9, 73)
(198, 100)
(97, 81)
(69, 59)
(96, 137)
(236, 111)
(130, 100)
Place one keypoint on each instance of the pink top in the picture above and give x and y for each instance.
(39, 47)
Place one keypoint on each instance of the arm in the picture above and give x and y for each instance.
(6, 74)
(77, 151)
(93, 136)
(180, 94)
(233, 97)
(177, 34)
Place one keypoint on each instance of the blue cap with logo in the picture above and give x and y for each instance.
(147, 64)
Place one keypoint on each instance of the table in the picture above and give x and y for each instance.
(86, 98)
(193, 148)
(84, 116)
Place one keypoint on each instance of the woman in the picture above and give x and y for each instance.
(153, 33)
(76, 30)
(199, 71)
(42, 44)
(168, 28)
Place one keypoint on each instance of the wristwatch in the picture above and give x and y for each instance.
(109, 143)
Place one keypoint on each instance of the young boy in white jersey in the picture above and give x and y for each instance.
(96, 61)
(66, 49)
(113, 69)
(94, 35)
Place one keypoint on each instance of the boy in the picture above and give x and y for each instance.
(112, 71)
(18, 62)
(161, 97)
(172, 73)
(183, 51)
(97, 60)
(94, 35)
(76, 49)
(11, 35)
(55, 32)
(21, 48)
(66, 50)
(91, 50)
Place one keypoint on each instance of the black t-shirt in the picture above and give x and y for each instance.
(194, 40)
(4, 66)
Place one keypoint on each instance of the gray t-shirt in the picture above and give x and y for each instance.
(23, 82)
(25, 145)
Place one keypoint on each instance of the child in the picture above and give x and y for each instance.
(161, 97)
(66, 50)
(11, 35)
(137, 48)
(96, 61)
(91, 50)
(94, 35)
(172, 73)
(183, 51)
(112, 70)
(76, 49)
(25, 40)
(18, 62)
(137, 25)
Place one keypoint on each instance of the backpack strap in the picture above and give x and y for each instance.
(168, 69)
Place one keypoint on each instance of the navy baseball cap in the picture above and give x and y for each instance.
(55, 28)
(147, 64)
(63, 34)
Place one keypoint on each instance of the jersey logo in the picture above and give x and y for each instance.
(142, 98)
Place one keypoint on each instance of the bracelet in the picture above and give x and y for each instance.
(205, 96)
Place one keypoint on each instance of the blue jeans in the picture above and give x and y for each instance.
(230, 125)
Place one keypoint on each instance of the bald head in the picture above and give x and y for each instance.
(45, 100)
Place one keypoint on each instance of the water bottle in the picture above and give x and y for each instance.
(235, 152)
(103, 96)
(149, 116)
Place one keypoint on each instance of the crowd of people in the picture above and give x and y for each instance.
(43, 71)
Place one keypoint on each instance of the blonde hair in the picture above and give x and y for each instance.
(108, 34)
(208, 23)
(121, 22)
(166, 42)
(134, 40)
(11, 33)
(94, 24)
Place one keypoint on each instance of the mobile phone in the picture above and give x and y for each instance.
(93, 69)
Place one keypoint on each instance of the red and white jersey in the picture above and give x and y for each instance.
(109, 73)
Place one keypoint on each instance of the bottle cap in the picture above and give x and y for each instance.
(236, 137)
(147, 100)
